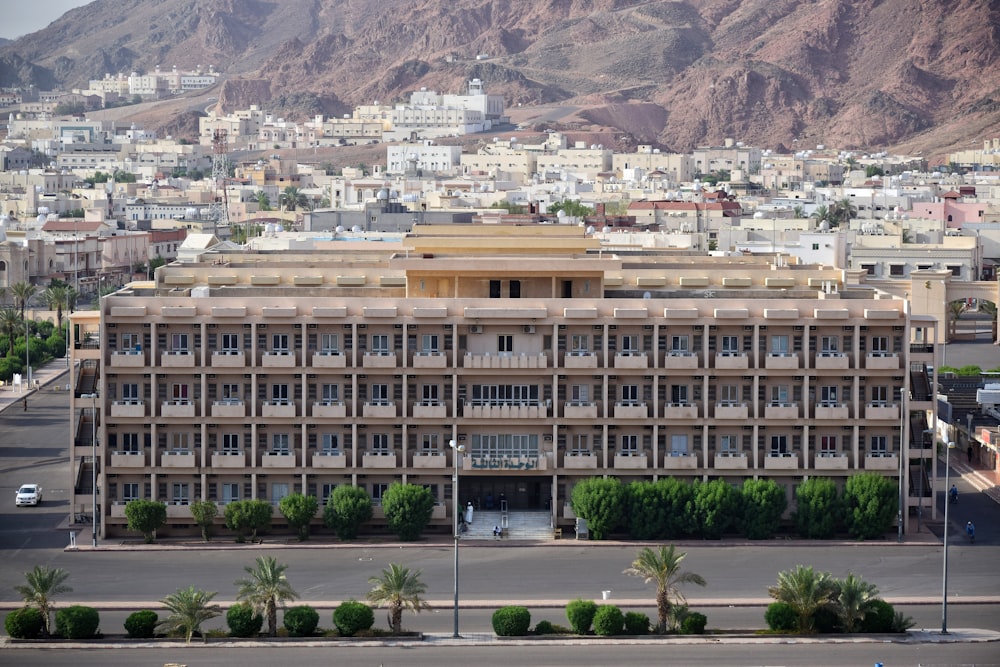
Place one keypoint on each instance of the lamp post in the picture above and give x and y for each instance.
(93, 468)
(902, 449)
(27, 354)
(944, 574)
(456, 451)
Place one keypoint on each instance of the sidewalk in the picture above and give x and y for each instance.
(53, 376)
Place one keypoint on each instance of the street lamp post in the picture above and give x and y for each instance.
(456, 522)
(902, 449)
(27, 354)
(93, 468)
(944, 574)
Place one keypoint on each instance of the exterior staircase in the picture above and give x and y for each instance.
(520, 525)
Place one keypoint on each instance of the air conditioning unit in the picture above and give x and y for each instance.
(476, 329)
(529, 328)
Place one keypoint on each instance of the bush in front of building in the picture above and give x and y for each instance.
(817, 512)
(301, 621)
(244, 621)
(141, 624)
(601, 501)
(347, 508)
(636, 623)
(248, 516)
(77, 622)
(580, 614)
(762, 502)
(299, 510)
(24, 623)
(659, 510)
(512, 621)
(870, 505)
(408, 509)
(146, 517)
(608, 620)
(716, 506)
(352, 617)
(694, 623)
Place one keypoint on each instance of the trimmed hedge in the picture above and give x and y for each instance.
(24, 623)
(243, 621)
(694, 624)
(351, 617)
(879, 618)
(608, 620)
(580, 614)
(511, 621)
(636, 623)
(77, 622)
(141, 624)
(301, 621)
(781, 617)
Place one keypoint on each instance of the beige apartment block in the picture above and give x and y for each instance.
(258, 375)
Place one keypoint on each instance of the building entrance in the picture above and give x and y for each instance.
(489, 493)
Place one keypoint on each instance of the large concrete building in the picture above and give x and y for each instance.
(550, 360)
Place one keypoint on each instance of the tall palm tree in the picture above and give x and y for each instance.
(663, 567)
(843, 211)
(56, 298)
(855, 598)
(263, 201)
(955, 309)
(294, 198)
(11, 324)
(990, 309)
(398, 588)
(266, 589)
(22, 294)
(806, 591)
(43, 584)
(821, 214)
(189, 608)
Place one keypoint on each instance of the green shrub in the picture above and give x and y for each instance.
(511, 621)
(77, 622)
(781, 617)
(141, 624)
(580, 614)
(352, 617)
(825, 621)
(878, 618)
(24, 623)
(636, 623)
(608, 620)
(544, 628)
(301, 621)
(901, 622)
(694, 624)
(243, 621)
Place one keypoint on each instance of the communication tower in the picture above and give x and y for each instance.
(219, 212)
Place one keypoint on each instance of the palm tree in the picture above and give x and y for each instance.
(821, 214)
(294, 198)
(43, 584)
(266, 589)
(189, 608)
(855, 598)
(10, 324)
(955, 309)
(990, 309)
(22, 293)
(263, 201)
(842, 212)
(805, 591)
(398, 588)
(56, 298)
(663, 567)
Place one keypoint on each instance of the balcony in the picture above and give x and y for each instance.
(180, 458)
(229, 359)
(278, 460)
(732, 411)
(781, 461)
(379, 360)
(278, 409)
(522, 411)
(229, 460)
(380, 460)
(329, 360)
(504, 360)
(127, 359)
(430, 410)
(430, 360)
(377, 410)
(680, 461)
(830, 461)
(330, 459)
(430, 460)
(881, 411)
(278, 359)
(730, 461)
(881, 461)
(832, 361)
(118, 509)
(680, 411)
(631, 360)
(631, 461)
(579, 461)
(580, 359)
(329, 409)
(229, 409)
(631, 411)
(680, 360)
(183, 408)
(128, 409)
(177, 359)
(732, 360)
(128, 460)
(572, 410)
(832, 411)
(882, 361)
(781, 361)
(781, 411)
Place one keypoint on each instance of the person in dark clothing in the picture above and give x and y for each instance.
(969, 453)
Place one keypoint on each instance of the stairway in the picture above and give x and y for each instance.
(521, 525)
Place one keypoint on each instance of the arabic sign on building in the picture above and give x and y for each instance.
(504, 462)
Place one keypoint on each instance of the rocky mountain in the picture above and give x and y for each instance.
(849, 73)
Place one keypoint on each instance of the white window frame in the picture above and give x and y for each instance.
(231, 443)
(628, 444)
(230, 492)
(131, 491)
(180, 493)
(779, 446)
(130, 393)
(880, 347)
(381, 345)
(281, 444)
(381, 444)
(630, 394)
(279, 490)
(827, 445)
(729, 395)
(729, 445)
(280, 344)
(329, 344)
(879, 446)
(330, 393)
(579, 345)
(380, 395)
(329, 444)
(730, 346)
(680, 345)
(131, 443)
(630, 346)
(430, 343)
(779, 395)
(779, 345)
(828, 396)
(179, 343)
(230, 343)
(679, 444)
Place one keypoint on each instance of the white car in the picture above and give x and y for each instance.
(28, 494)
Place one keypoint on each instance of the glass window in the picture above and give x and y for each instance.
(429, 443)
(579, 394)
(579, 344)
(629, 445)
(429, 343)
(880, 396)
(179, 343)
(630, 344)
(329, 343)
(329, 443)
(630, 394)
(678, 445)
(880, 445)
(331, 394)
(779, 445)
(179, 393)
(230, 393)
(505, 344)
(230, 343)
(679, 345)
(429, 394)
(679, 394)
(326, 490)
(230, 492)
(380, 345)
(779, 394)
(380, 443)
(130, 393)
(180, 494)
(580, 443)
(279, 344)
(278, 491)
(880, 346)
(729, 445)
(230, 443)
(378, 490)
(131, 342)
(829, 345)
(828, 396)
(827, 445)
(730, 346)
(130, 491)
(380, 394)
(729, 394)
(130, 443)
(280, 443)
(779, 345)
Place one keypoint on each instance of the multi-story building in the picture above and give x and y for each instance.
(549, 359)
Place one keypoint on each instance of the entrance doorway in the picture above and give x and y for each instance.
(488, 493)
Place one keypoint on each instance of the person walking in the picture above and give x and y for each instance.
(24, 401)
(953, 494)
(970, 530)
(969, 454)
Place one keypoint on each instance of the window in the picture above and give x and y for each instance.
(329, 444)
(279, 394)
(880, 346)
(868, 268)
(329, 344)
(729, 394)
(180, 494)
(331, 394)
(678, 445)
(278, 491)
(131, 342)
(380, 394)
(579, 394)
(494, 289)
(828, 445)
(429, 343)
(279, 344)
(580, 444)
(829, 346)
(230, 492)
(629, 445)
(505, 444)
(130, 443)
(230, 343)
(828, 396)
(379, 489)
(815, 246)
(730, 346)
(779, 395)
(130, 393)
(897, 269)
(630, 394)
(179, 343)
(429, 394)
(230, 443)
(130, 491)
(880, 396)
(779, 445)
(879, 446)
(779, 346)
(505, 344)
(515, 289)
(504, 394)
(729, 445)
(380, 444)
(325, 491)
(429, 443)
(679, 394)
(230, 394)
(380, 345)
(679, 345)
(579, 345)
(956, 270)
(280, 443)
(630, 345)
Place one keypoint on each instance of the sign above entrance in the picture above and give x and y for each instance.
(505, 463)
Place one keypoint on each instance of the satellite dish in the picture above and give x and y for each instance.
(339, 229)
(356, 229)
(647, 295)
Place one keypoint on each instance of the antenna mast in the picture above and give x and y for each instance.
(219, 212)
